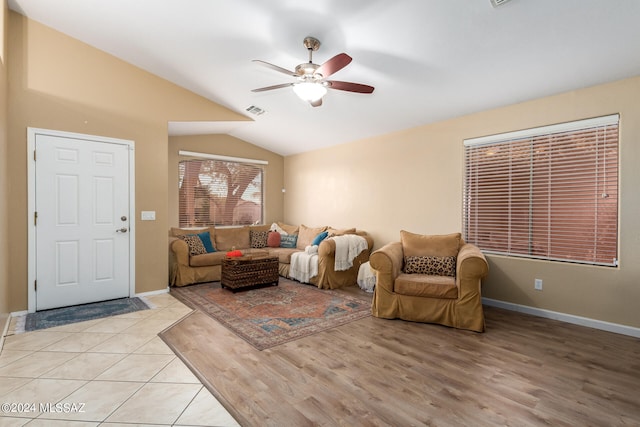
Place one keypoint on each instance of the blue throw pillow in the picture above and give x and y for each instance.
(206, 241)
(319, 238)
(288, 241)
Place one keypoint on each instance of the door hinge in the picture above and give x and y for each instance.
(34, 155)
(35, 284)
(35, 218)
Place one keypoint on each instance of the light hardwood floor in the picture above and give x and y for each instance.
(524, 371)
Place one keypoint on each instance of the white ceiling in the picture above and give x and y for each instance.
(429, 60)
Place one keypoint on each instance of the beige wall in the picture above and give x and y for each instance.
(226, 145)
(413, 179)
(56, 82)
(4, 186)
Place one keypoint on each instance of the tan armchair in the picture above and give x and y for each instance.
(407, 288)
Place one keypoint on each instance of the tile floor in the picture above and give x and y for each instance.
(105, 372)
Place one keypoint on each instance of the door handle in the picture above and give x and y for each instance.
(122, 230)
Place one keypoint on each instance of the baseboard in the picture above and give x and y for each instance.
(151, 293)
(563, 317)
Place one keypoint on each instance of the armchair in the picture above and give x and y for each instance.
(432, 279)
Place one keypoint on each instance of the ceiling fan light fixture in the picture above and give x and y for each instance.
(309, 91)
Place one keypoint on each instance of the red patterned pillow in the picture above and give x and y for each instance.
(273, 239)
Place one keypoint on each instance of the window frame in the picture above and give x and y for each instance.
(184, 155)
(563, 132)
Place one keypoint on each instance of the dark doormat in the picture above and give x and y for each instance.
(80, 313)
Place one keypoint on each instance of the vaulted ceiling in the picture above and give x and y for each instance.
(429, 60)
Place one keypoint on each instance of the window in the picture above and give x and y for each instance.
(220, 190)
(547, 193)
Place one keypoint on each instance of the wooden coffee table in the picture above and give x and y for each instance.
(248, 272)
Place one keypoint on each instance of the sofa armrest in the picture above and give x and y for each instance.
(327, 247)
(471, 268)
(387, 263)
(180, 250)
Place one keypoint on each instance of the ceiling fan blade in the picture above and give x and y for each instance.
(275, 67)
(333, 65)
(263, 89)
(349, 87)
(316, 103)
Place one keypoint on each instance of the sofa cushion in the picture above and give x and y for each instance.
(196, 247)
(207, 260)
(258, 238)
(433, 265)
(288, 241)
(307, 234)
(177, 232)
(290, 229)
(273, 239)
(425, 245)
(233, 237)
(263, 227)
(283, 254)
(340, 231)
(422, 285)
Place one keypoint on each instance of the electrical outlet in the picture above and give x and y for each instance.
(537, 284)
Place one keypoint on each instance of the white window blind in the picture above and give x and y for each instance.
(220, 190)
(548, 193)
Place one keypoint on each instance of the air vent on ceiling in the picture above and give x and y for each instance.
(496, 3)
(255, 110)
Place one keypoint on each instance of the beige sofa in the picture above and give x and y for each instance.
(186, 269)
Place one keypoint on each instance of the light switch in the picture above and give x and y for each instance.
(148, 216)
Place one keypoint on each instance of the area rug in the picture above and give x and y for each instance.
(271, 316)
(80, 313)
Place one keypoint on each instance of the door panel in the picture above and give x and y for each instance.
(81, 193)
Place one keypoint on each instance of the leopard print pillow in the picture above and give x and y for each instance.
(196, 247)
(432, 265)
(259, 239)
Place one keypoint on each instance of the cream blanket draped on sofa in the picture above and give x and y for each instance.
(304, 265)
(348, 247)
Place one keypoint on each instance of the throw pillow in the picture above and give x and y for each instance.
(432, 265)
(288, 241)
(195, 244)
(319, 238)
(206, 241)
(276, 227)
(259, 239)
(307, 234)
(273, 239)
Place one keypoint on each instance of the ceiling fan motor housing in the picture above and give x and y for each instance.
(307, 70)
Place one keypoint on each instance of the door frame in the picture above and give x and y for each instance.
(31, 203)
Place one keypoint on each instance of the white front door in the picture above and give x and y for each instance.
(82, 218)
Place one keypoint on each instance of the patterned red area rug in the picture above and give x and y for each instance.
(270, 316)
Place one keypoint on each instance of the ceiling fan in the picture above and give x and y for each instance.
(311, 79)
